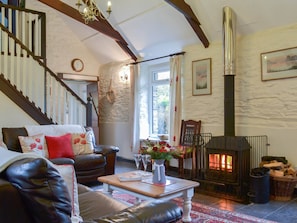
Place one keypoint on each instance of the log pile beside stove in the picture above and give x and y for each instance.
(283, 177)
(279, 166)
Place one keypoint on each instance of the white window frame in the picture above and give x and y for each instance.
(163, 67)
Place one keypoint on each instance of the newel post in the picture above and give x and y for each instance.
(89, 112)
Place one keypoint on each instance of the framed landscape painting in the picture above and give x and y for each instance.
(201, 77)
(279, 64)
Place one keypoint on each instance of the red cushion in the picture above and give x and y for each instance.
(59, 146)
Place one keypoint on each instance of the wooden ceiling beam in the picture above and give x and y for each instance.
(187, 11)
(99, 25)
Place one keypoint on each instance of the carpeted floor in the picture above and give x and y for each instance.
(203, 213)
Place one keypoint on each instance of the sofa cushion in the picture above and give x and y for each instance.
(96, 204)
(43, 190)
(32, 144)
(90, 131)
(147, 211)
(10, 138)
(59, 146)
(82, 143)
(68, 174)
(54, 130)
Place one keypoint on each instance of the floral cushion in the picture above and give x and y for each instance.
(82, 143)
(32, 144)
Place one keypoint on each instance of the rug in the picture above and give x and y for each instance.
(201, 213)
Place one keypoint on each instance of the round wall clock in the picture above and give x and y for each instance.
(77, 65)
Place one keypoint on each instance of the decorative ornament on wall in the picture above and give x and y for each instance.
(77, 65)
(110, 94)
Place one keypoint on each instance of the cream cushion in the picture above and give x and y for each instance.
(68, 174)
(33, 144)
(82, 143)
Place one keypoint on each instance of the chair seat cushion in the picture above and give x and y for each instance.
(89, 162)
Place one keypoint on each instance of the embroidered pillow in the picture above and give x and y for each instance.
(82, 143)
(68, 174)
(32, 144)
(59, 146)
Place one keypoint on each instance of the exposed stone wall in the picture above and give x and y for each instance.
(117, 111)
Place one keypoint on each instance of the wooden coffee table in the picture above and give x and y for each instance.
(145, 190)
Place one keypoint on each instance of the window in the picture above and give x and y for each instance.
(159, 106)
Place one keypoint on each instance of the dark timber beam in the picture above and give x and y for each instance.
(186, 10)
(100, 25)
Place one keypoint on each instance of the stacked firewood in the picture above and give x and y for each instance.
(279, 166)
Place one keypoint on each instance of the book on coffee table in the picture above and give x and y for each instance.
(134, 176)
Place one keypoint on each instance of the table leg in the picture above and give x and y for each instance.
(187, 205)
(107, 189)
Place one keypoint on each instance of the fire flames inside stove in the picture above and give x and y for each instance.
(222, 162)
(222, 165)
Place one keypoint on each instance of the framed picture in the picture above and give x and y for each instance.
(201, 77)
(279, 64)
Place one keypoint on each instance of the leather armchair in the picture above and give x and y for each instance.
(28, 200)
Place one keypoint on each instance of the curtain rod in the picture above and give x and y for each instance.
(170, 55)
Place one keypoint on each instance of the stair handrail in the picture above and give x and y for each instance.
(46, 70)
(42, 37)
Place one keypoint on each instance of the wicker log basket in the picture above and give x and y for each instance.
(283, 177)
(282, 188)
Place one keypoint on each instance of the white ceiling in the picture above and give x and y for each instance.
(153, 28)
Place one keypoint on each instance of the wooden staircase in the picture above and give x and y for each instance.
(24, 76)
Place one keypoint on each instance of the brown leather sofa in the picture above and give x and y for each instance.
(88, 167)
(32, 191)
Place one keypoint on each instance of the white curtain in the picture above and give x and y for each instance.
(134, 120)
(175, 99)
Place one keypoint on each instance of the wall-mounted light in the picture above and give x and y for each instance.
(124, 74)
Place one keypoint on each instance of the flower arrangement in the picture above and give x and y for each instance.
(159, 150)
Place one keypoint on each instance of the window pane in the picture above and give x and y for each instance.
(160, 109)
(158, 76)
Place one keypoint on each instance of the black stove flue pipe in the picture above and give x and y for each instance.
(229, 42)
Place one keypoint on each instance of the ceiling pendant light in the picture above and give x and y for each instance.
(90, 11)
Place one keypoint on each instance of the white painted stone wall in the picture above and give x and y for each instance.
(262, 108)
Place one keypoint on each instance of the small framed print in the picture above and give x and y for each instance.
(201, 77)
(279, 64)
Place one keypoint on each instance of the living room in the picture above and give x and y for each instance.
(261, 107)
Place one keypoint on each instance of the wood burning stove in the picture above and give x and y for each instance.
(228, 165)
(228, 157)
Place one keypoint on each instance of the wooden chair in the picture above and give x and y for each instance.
(189, 129)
